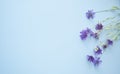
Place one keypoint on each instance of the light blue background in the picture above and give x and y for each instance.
(42, 37)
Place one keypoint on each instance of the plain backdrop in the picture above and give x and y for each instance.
(42, 37)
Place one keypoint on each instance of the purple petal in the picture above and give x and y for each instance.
(104, 46)
(94, 35)
(90, 14)
(90, 58)
(109, 42)
(97, 61)
(99, 26)
(83, 34)
(98, 51)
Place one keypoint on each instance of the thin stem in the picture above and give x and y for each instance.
(102, 11)
(109, 18)
(106, 10)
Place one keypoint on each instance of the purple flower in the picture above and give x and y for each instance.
(104, 46)
(94, 35)
(83, 34)
(109, 42)
(90, 58)
(90, 14)
(91, 33)
(99, 26)
(98, 51)
(88, 30)
(97, 61)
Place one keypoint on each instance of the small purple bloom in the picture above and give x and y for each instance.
(88, 30)
(99, 26)
(97, 61)
(90, 58)
(94, 35)
(98, 51)
(83, 34)
(109, 42)
(104, 46)
(90, 14)
(91, 33)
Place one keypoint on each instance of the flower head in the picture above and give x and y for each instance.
(99, 26)
(94, 35)
(98, 51)
(83, 34)
(88, 30)
(109, 42)
(90, 58)
(104, 46)
(97, 61)
(90, 14)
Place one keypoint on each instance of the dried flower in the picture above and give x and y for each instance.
(94, 35)
(97, 61)
(83, 34)
(98, 51)
(104, 46)
(90, 58)
(88, 30)
(99, 26)
(91, 33)
(90, 14)
(115, 29)
(109, 42)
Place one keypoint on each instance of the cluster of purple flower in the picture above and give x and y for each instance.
(95, 60)
(88, 32)
(98, 51)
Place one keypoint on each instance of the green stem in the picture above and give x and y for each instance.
(109, 18)
(102, 11)
(106, 10)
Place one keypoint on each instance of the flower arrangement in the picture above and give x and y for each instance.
(112, 32)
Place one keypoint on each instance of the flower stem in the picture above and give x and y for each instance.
(106, 10)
